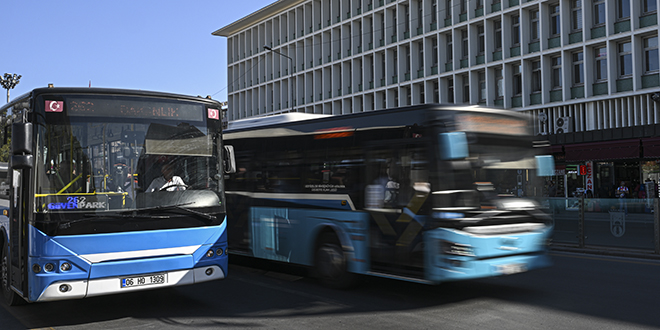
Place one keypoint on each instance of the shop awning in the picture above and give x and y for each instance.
(555, 149)
(606, 150)
(651, 147)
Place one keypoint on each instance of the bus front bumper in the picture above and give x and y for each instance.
(78, 289)
(454, 270)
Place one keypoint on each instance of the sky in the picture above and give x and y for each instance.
(163, 45)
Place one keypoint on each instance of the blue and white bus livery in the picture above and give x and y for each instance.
(79, 221)
(428, 193)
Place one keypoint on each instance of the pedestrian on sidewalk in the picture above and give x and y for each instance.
(622, 193)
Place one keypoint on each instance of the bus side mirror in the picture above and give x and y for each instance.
(453, 145)
(545, 165)
(20, 162)
(21, 138)
(21, 145)
(228, 160)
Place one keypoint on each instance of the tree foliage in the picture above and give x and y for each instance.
(4, 151)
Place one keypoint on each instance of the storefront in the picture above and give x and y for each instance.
(636, 162)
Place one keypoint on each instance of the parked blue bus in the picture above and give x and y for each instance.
(110, 191)
(428, 193)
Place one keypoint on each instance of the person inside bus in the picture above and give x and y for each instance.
(392, 191)
(123, 180)
(388, 187)
(167, 181)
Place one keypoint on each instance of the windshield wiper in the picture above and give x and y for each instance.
(206, 216)
(64, 224)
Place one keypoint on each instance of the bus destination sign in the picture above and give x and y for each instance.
(127, 107)
(482, 123)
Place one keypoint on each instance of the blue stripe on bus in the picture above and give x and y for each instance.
(128, 241)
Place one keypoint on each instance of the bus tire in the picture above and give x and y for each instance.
(331, 264)
(8, 295)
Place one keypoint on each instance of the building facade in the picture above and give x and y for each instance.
(586, 71)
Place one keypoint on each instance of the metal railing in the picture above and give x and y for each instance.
(606, 224)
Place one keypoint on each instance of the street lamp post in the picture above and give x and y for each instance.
(290, 70)
(9, 82)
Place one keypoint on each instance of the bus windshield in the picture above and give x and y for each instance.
(154, 155)
(497, 162)
(504, 168)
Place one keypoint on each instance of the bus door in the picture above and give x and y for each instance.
(19, 215)
(396, 190)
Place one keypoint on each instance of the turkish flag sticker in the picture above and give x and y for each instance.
(54, 106)
(214, 114)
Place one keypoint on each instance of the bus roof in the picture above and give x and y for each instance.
(307, 123)
(271, 120)
(109, 91)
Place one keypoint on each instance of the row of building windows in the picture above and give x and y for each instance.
(603, 69)
(584, 114)
(517, 55)
(264, 67)
(619, 49)
(385, 27)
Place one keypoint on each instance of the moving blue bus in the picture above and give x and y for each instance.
(110, 191)
(428, 193)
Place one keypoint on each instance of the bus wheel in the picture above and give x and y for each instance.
(10, 297)
(331, 264)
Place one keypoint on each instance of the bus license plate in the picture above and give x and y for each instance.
(507, 269)
(154, 279)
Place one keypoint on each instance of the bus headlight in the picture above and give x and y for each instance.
(517, 204)
(219, 251)
(456, 249)
(49, 267)
(36, 268)
(65, 267)
(448, 215)
(209, 253)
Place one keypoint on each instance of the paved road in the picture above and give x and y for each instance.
(578, 292)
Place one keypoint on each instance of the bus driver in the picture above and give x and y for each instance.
(168, 181)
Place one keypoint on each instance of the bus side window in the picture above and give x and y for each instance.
(333, 168)
(414, 172)
(283, 175)
(394, 173)
(382, 179)
(4, 156)
(4, 183)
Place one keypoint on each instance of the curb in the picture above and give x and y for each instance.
(626, 253)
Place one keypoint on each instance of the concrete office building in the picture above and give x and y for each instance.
(587, 72)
